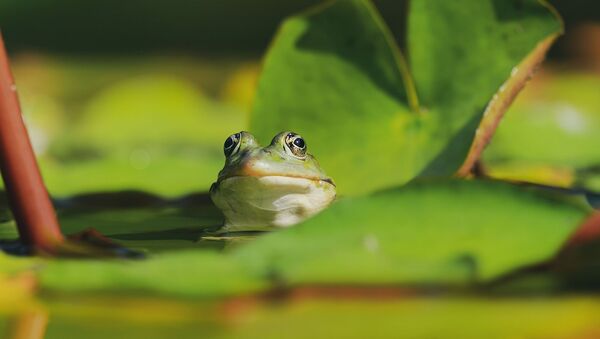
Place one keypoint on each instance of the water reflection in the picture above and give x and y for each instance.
(311, 315)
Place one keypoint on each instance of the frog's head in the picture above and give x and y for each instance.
(276, 185)
(286, 156)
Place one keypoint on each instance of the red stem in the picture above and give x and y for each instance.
(27, 195)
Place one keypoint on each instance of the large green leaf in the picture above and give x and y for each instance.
(442, 233)
(437, 232)
(335, 75)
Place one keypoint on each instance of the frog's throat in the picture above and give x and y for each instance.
(269, 202)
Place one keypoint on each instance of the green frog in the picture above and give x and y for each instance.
(265, 188)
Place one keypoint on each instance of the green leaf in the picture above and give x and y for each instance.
(469, 68)
(335, 75)
(430, 233)
(454, 232)
(183, 273)
(137, 220)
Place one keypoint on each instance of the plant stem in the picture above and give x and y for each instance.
(28, 198)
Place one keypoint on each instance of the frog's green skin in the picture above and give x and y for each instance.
(263, 188)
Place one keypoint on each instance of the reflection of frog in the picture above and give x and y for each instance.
(262, 188)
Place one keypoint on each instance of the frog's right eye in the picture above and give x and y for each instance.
(232, 144)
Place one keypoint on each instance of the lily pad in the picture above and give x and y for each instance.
(185, 273)
(431, 233)
(137, 220)
(335, 75)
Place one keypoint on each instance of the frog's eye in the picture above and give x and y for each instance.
(296, 145)
(232, 144)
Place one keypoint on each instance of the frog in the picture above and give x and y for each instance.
(271, 187)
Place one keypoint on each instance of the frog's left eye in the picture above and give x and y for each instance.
(232, 144)
(296, 145)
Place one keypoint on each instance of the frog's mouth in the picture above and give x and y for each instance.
(259, 170)
(314, 179)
